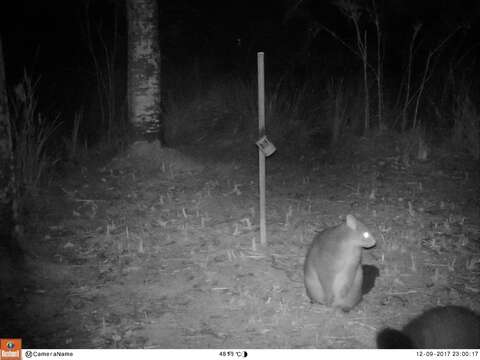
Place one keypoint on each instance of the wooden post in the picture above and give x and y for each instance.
(261, 155)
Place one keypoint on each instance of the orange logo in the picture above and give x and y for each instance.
(10, 349)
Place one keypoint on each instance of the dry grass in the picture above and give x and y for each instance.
(31, 135)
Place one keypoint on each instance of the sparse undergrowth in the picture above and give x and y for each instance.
(159, 249)
(31, 137)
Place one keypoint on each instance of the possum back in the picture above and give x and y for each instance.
(449, 327)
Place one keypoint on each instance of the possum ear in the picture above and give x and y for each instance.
(351, 222)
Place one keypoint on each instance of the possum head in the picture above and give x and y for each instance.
(363, 237)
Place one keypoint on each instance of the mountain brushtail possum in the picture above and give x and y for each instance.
(447, 327)
(333, 266)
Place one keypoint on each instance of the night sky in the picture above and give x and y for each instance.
(48, 38)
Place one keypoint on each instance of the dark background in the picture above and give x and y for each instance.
(48, 40)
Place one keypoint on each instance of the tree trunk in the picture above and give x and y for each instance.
(143, 83)
(6, 171)
(365, 83)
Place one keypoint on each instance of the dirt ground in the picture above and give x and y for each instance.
(159, 248)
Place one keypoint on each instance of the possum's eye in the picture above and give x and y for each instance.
(366, 234)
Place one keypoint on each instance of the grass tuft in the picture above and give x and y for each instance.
(31, 137)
